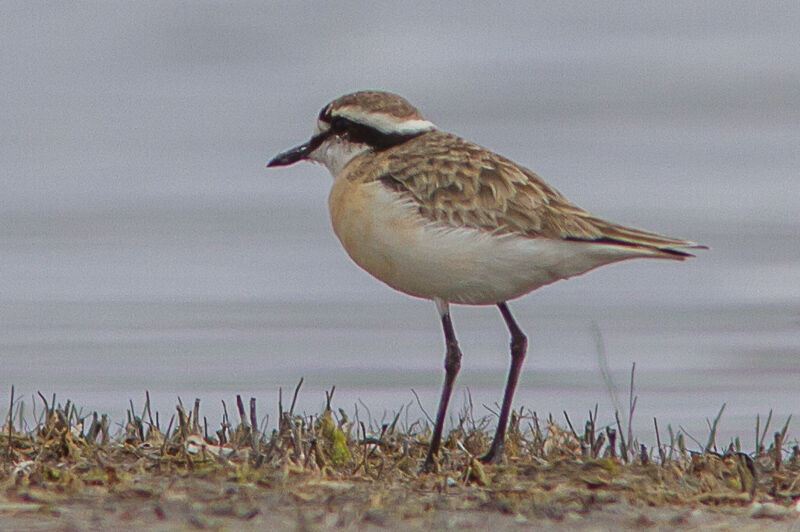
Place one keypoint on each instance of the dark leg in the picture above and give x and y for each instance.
(519, 344)
(452, 363)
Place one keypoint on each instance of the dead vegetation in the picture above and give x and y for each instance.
(334, 471)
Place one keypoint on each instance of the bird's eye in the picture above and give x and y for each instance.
(339, 124)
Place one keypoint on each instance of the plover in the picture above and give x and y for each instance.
(438, 217)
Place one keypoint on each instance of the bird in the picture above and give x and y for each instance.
(439, 217)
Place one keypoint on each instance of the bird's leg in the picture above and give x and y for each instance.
(519, 344)
(452, 363)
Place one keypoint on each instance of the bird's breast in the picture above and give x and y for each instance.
(370, 234)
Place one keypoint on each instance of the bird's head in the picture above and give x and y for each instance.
(354, 124)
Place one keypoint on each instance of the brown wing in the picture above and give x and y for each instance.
(460, 183)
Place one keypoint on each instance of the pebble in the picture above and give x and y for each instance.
(768, 510)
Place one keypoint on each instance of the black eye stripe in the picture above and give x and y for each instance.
(371, 136)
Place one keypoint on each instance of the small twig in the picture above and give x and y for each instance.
(226, 421)
(166, 435)
(712, 436)
(695, 440)
(598, 444)
(10, 423)
(671, 441)
(538, 435)
(21, 416)
(419, 403)
(94, 429)
(602, 359)
(329, 397)
(196, 416)
(588, 433)
(47, 407)
(137, 422)
(760, 442)
(623, 448)
(494, 411)
(785, 427)
(393, 425)
(253, 417)
(242, 415)
(253, 425)
(661, 452)
(294, 399)
(364, 460)
(104, 429)
(182, 422)
(571, 428)
(369, 414)
(778, 451)
(147, 407)
(632, 406)
(612, 441)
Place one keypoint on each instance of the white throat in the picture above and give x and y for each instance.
(335, 153)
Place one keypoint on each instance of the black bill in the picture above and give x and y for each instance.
(297, 153)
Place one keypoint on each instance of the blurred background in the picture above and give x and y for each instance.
(145, 246)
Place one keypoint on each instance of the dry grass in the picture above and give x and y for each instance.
(330, 471)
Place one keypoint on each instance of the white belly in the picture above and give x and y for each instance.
(386, 235)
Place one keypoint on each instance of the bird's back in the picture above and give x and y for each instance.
(457, 182)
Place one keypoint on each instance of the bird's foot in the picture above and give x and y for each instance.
(495, 455)
(431, 465)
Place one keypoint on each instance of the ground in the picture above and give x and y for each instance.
(329, 473)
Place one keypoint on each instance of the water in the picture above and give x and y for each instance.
(144, 246)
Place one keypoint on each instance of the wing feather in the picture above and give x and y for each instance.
(457, 182)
